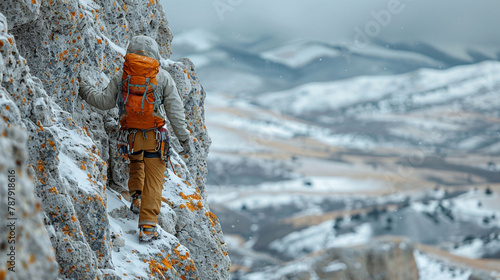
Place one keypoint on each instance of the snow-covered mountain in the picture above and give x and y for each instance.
(261, 64)
(317, 163)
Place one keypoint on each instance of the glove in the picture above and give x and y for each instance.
(185, 147)
(83, 90)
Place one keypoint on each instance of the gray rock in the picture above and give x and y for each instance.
(118, 241)
(387, 259)
(381, 259)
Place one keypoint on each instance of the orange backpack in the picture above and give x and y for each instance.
(139, 93)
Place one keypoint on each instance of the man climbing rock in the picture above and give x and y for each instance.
(146, 95)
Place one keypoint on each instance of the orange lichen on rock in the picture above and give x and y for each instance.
(190, 267)
(53, 190)
(211, 216)
(32, 259)
(40, 125)
(182, 257)
(195, 196)
(167, 263)
(98, 197)
(160, 267)
(192, 204)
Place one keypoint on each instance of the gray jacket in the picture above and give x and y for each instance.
(173, 107)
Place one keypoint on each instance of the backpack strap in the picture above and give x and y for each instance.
(158, 100)
(128, 88)
(145, 95)
(119, 97)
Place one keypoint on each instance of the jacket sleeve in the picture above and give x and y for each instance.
(175, 109)
(105, 99)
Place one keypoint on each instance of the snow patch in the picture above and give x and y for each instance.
(429, 268)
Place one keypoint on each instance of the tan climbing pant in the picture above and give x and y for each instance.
(146, 175)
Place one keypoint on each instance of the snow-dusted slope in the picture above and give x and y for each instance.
(417, 106)
(299, 54)
(424, 87)
(323, 165)
(260, 64)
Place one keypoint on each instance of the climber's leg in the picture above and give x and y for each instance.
(136, 172)
(153, 186)
(136, 165)
(153, 169)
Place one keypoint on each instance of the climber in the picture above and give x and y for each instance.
(146, 95)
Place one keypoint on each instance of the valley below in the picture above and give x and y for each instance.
(317, 165)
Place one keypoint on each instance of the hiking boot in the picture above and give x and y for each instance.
(148, 233)
(135, 206)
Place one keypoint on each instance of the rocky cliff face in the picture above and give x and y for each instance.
(68, 149)
(25, 247)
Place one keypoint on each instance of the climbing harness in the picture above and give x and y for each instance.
(126, 147)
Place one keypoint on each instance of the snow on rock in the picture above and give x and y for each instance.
(77, 177)
(381, 259)
(316, 238)
(433, 269)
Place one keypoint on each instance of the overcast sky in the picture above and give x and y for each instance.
(443, 22)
